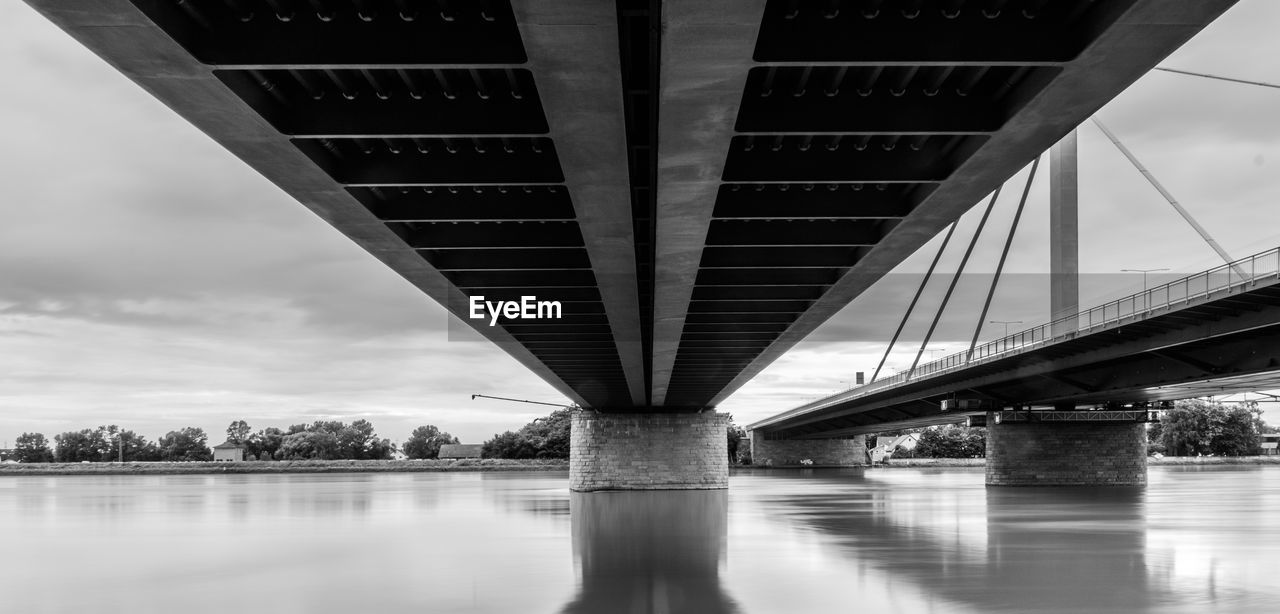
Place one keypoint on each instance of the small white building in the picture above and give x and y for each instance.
(887, 446)
(1270, 443)
(228, 452)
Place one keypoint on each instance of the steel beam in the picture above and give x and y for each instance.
(573, 54)
(706, 55)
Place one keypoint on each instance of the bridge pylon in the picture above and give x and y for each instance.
(1067, 448)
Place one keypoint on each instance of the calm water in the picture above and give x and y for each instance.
(897, 540)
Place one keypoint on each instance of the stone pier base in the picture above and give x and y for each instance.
(648, 451)
(1066, 454)
(822, 452)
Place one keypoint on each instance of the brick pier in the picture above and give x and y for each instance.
(648, 451)
(1066, 454)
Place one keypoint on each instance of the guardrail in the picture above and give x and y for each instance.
(1225, 278)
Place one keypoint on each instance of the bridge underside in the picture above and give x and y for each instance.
(699, 183)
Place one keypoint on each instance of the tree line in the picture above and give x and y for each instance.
(111, 443)
(320, 440)
(1194, 427)
(546, 437)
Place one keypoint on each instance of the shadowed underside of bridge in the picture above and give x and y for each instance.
(701, 183)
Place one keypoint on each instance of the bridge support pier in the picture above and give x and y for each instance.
(648, 451)
(1066, 453)
(823, 452)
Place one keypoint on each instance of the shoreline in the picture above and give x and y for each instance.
(307, 466)
(1168, 461)
(943, 463)
(499, 465)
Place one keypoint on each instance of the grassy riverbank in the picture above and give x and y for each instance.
(308, 466)
(1214, 460)
(934, 462)
(488, 464)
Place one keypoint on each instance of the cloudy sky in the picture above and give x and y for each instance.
(150, 279)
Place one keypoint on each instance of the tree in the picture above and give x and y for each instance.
(1198, 427)
(317, 444)
(83, 445)
(509, 444)
(143, 451)
(103, 445)
(238, 432)
(265, 443)
(425, 442)
(32, 448)
(359, 441)
(380, 449)
(546, 437)
(952, 441)
(188, 444)
(550, 435)
(736, 450)
(136, 447)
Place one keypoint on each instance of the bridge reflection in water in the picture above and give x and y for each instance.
(802, 541)
(648, 552)
(1193, 541)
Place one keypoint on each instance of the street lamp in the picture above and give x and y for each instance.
(934, 352)
(1144, 272)
(1006, 325)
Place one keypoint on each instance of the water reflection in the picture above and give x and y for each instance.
(1042, 550)
(650, 552)
(1191, 542)
(1066, 549)
(804, 541)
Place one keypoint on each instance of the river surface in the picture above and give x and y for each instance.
(883, 540)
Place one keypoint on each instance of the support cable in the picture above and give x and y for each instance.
(1008, 242)
(1186, 215)
(1208, 76)
(955, 279)
(485, 396)
(912, 306)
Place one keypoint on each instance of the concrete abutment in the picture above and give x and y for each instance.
(648, 451)
(1066, 453)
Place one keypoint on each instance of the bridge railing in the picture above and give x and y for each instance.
(1224, 278)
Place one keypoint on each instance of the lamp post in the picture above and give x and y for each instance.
(1006, 325)
(1145, 299)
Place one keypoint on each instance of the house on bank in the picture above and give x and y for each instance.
(456, 451)
(228, 452)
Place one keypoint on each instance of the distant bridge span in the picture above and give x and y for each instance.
(1207, 334)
